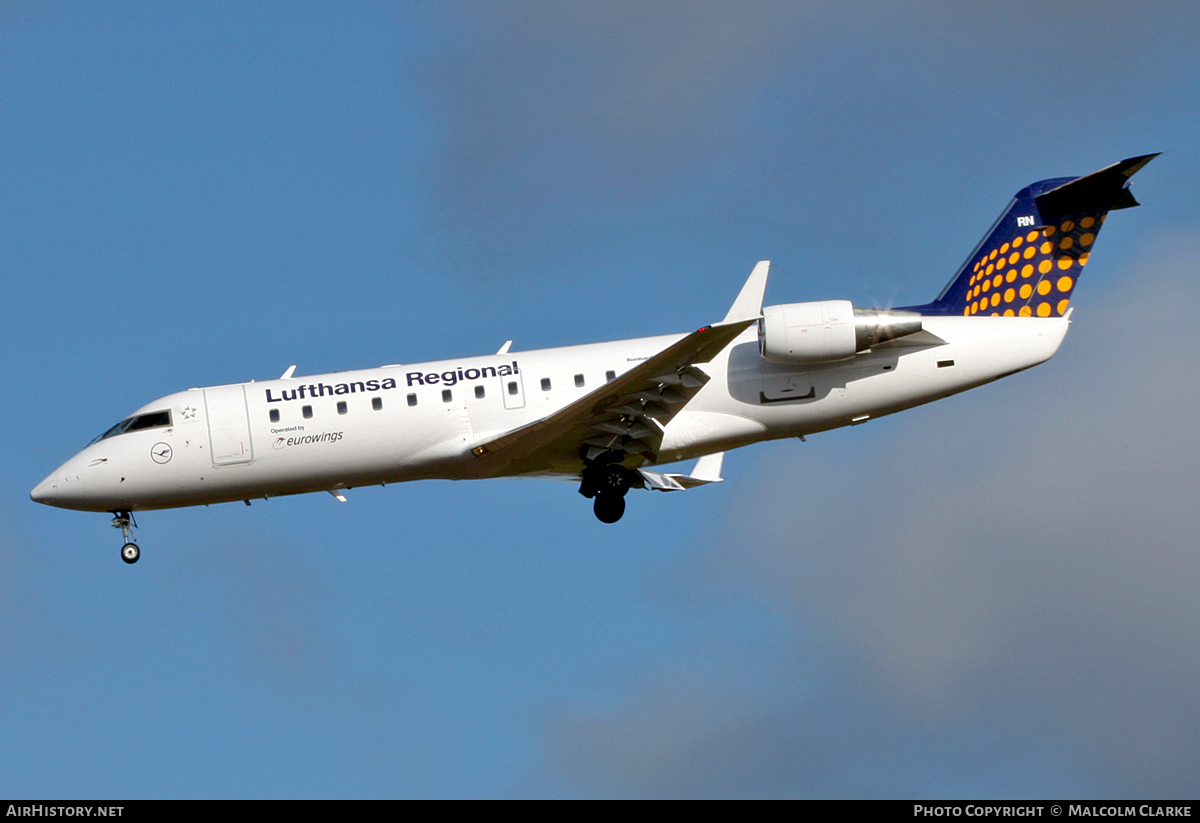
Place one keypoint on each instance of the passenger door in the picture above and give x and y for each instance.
(228, 425)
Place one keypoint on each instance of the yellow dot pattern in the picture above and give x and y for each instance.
(1048, 259)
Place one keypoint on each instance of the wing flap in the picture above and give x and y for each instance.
(626, 415)
(707, 470)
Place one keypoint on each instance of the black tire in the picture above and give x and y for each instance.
(609, 507)
(130, 552)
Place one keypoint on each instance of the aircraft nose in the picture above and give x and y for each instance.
(46, 491)
(81, 483)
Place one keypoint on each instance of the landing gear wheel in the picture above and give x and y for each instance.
(609, 507)
(124, 521)
(614, 482)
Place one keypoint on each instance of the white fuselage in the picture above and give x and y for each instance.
(396, 424)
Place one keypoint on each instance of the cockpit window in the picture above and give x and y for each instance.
(117, 429)
(149, 420)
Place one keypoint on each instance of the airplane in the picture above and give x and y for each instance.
(605, 415)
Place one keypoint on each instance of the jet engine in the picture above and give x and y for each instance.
(828, 330)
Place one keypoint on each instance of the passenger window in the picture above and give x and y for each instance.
(545, 384)
(341, 407)
(447, 395)
(412, 400)
(579, 381)
(307, 412)
(479, 392)
(274, 415)
(512, 387)
(377, 403)
(610, 375)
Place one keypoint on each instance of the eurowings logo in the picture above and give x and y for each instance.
(306, 440)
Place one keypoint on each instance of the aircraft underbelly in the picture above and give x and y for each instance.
(972, 351)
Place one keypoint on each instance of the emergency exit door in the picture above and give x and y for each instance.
(513, 391)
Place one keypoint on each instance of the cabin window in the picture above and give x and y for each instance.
(447, 395)
(412, 400)
(479, 392)
(512, 387)
(610, 375)
(579, 381)
(274, 415)
(377, 403)
(341, 407)
(307, 412)
(545, 384)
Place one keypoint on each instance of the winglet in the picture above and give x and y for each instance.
(708, 468)
(748, 305)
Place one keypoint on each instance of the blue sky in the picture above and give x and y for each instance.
(990, 596)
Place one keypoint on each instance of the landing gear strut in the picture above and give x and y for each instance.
(125, 522)
(608, 484)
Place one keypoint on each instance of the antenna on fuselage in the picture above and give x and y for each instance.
(290, 371)
(504, 348)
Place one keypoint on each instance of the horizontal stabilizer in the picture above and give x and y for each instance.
(707, 470)
(1103, 190)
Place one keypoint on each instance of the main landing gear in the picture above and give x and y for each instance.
(607, 484)
(125, 522)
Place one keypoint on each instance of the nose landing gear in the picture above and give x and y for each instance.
(125, 522)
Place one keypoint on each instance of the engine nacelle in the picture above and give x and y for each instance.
(828, 330)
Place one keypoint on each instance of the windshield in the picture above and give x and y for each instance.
(149, 420)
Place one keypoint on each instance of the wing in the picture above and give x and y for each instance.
(623, 418)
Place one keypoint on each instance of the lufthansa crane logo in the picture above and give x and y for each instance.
(160, 453)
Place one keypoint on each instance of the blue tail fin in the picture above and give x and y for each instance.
(1029, 262)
